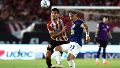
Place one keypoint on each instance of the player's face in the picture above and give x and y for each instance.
(54, 15)
(105, 20)
(72, 16)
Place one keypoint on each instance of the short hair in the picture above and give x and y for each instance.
(101, 18)
(73, 11)
(55, 9)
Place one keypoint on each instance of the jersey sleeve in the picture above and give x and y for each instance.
(99, 26)
(80, 22)
(49, 26)
(108, 28)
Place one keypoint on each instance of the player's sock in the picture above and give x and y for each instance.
(97, 60)
(57, 57)
(104, 61)
(104, 53)
(98, 53)
(71, 63)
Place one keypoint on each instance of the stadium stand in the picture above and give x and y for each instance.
(16, 15)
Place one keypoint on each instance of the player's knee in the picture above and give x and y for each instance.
(70, 57)
(58, 48)
(48, 54)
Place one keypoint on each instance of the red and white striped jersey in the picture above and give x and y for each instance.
(57, 27)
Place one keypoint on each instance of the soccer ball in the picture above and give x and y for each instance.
(45, 3)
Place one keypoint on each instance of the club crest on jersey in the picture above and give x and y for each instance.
(73, 26)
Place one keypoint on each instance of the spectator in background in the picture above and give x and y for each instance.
(3, 17)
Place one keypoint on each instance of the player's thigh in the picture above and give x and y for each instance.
(58, 46)
(103, 44)
(74, 48)
(65, 47)
(48, 53)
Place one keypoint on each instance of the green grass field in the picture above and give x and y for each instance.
(40, 63)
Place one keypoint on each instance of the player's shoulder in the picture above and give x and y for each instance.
(79, 21)
(64, 18)
(49, 22)
(100, 23)
(108, 26)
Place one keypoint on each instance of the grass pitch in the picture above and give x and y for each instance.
(40, 63)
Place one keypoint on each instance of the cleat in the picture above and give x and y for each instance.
(97, 62)
(53, 66)
(57, 66)
(105, 62)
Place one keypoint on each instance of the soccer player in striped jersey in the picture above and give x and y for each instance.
(101, 36)
(57, 30)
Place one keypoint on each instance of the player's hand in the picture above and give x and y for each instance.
(49, 46)
(64, 29)
(111, 40)
(87, 39)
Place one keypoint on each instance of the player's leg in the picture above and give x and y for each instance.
(104, 52)
(98, 55)
(57, 54)
(48, 58)
(58, 49)
(70, 60)
(74, 49)
(104, 55)
(48, 55)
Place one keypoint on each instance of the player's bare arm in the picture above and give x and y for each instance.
(110, 35)
(85, 28)
(54, 34)
(96, 33)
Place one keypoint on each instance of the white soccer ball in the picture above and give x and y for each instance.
(45, 3)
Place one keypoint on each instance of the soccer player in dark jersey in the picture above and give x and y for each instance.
(77, 29)
(102, 36)
(57, 30)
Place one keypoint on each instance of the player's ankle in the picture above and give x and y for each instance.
(97, 59)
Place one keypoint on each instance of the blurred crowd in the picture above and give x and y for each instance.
(18, 14)
(95, 15)
(87, 2)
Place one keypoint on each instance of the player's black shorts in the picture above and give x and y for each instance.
(103, 43)
(54, 43)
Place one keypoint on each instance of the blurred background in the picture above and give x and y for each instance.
(16, 15)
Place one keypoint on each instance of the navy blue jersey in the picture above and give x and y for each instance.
(76, 32)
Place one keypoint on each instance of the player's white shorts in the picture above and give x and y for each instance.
(72, 47)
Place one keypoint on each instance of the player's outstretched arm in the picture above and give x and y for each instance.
(110, 36)
(96, 35)
(85, 28)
